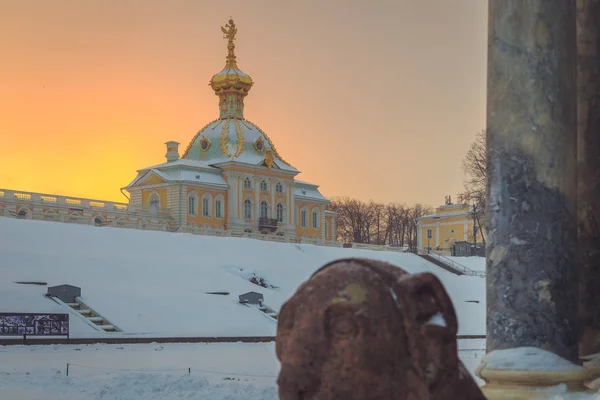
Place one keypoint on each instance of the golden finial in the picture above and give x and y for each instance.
(229, 31)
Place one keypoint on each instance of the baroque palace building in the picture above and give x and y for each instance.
(449, 230)
(229, 180)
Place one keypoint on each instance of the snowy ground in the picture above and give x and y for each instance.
(229, 371)
(157, 283)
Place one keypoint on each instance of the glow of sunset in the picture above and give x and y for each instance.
(369, 99)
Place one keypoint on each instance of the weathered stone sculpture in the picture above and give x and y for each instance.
(364, 329)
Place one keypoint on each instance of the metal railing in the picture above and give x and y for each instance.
(451, 263)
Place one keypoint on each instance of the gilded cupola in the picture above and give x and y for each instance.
(231, 84)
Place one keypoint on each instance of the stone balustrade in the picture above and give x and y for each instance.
(68, 202)
(47, 207)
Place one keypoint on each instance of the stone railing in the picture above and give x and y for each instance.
(379, 247)
(46, 207)
(73, 203)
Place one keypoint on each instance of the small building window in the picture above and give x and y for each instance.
(248, 209)
(428, 233)
(279, 187)
(263, 186)
(206, 206)
(303, 218)
(279, 212)
(315, 219)
(247, 183)
(264, 209)
(192, 205)
(326, 230)
(219, 208)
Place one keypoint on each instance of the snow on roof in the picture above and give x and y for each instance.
(445, 214)
(299, 182)
(235, 130)
(185, 170)
(308, 191)
(196, 176)
(183, 162)
(143, 289)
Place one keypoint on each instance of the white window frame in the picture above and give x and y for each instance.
(247, 183)
(315, 216)
(248, 209)
(304, 218)
(264, 205)
(264, 186)
(193, 195)
(280, 211)
(278, 187)
(221, 201)
(207, 211)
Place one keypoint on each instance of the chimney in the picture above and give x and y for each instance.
(172, 151)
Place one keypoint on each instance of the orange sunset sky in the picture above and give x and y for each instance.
(369, 99)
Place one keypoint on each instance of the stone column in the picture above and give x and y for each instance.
(588, 165)
(531, 150)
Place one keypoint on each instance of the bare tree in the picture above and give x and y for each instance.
(377, 223)
(354, 222)
(378, 211)
(474, 166)
(417, 211)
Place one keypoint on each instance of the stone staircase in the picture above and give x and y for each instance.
(93, 318)
(441, 264)
(266, 311)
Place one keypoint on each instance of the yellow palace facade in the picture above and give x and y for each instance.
(230, 180)
(231, 176)
(449, 225)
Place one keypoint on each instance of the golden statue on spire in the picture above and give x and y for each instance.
(229, 30)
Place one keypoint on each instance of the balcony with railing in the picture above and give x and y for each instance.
(267, 224)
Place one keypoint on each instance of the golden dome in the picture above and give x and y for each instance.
(231, 79)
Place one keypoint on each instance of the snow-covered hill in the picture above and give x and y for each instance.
(156, 283)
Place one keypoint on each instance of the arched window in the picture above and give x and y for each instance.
(248, 209)
(247, 183)
(154, 202)
(192, 203)
(279, 212)
(264, 209)
(263, 186)
(279, 187)
(206, 205)
(315, 218)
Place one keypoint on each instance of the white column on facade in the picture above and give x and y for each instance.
(292, 205)
(466, 230)
(437, 234)
(419, 235)
(323, 233)
(233, 196)
(241, 197)
(256, 188)
(272, 184)
(333, 231)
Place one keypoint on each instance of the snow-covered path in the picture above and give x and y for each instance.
(151, 371)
